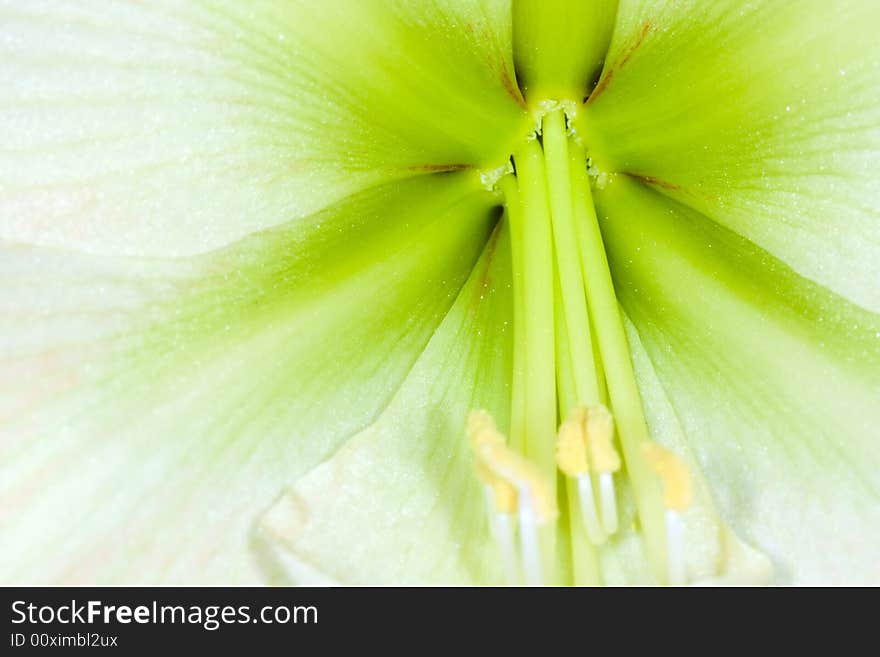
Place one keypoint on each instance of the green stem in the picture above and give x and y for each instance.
(538, 320)
(584, 558)
(620, 378)
(566, 388)
(574, 307)
(577, 371)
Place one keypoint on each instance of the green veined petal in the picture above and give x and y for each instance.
(773, 380)
(168, 128)
(401, 501)
(762, 115)
(712, 552)
(151, 409)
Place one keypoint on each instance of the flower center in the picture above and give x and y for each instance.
(571, 362)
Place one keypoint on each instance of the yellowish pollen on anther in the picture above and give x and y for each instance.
(584, 442)
(509, 475)
(673, 474)
(600, 430)
(503, 494)
(571, 448)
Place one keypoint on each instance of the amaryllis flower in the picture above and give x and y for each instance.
(448, 291)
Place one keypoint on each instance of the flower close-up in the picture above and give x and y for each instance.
(440, 292)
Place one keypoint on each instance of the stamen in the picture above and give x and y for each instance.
(605, 461)
(673, 473)
(503, 530)
(676, 481)
(507, 471)
(513, 485)
(608, 502)
(614, 355)
(584, 446)
(502, 496)
(675, 548)
(599, 428)
(529, 540)
(588, 510)
(572, 459)
(571, 444)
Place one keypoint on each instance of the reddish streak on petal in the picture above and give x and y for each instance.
(438, 168)
(620, 63)
(512, 88)
(653, 181)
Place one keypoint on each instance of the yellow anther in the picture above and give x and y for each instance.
(600, 430)
(571, 447)
(506, 472)
(673, 473)
(503, 494)
(584, 442)
(482, 431)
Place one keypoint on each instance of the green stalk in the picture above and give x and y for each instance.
(626, 403)
(538, 320)
(571, 283)
(577, 371)
(566, 388)
(584, 557)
